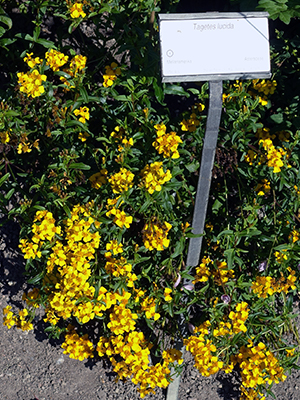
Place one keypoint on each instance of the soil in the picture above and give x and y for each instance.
(32, 367)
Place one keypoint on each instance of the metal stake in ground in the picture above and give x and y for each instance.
(207, 163)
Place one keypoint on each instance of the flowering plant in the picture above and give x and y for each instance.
(101, 165)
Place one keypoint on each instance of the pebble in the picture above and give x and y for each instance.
(60, 360)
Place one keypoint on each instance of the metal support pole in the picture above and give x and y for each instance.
(207, 163)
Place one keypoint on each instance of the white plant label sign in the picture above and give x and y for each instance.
(229, 45)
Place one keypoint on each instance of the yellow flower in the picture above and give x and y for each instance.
(55, 59)
(111, 72)
(153, 176)
(84, 114)
(155, 235)
(121, 181)
(32, 62)
(167, 294)
(83, 136)
(77, 11)
(4, 137)
(31, 83)
(167, 145)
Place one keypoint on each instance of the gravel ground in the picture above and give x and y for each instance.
(34, 368)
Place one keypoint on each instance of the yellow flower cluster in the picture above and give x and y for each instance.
(4, 137)
(121, 320)
(98, 179)
(134, 351)
(258, 366)
(203, 272)
(280, 256)
(32, 62)
(20, 320)
(190, 125)
(265, 286)
(113, 247)
(266, 87)
(222, 274)
(77, 347)
(43, 229)
(239, 317)
(204, 351)
(264, 133)
(111, 72)
(274, 156)
(31, 83)
(117, 135)
(251, 156)
(117, 267)
(155, 235)
(236, 323)
(153, 176)
(84, 114)
(68, 268)
(166, 143)
(120, 218)
(55, 59)
(121, 181)
(148, 305)
(25, 146)
(76, 11)
(167, 295)
(263, 188)
(77, 64)
(251, 394)
(294, 235)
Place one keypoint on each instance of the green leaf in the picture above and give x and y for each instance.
(36, 278)
(9, 194)
(285, 17)
(4, 178)
(229, 254)
(80, 166)
(178, 248)
(6, 42)
(46, 43)
(176, 90)
(193, 167)
(192, 235)
(277, 118)
(5, 20)
(158, 91)
(84, 94)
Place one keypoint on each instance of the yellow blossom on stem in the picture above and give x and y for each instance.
(167, 294)
(84, 114)
(121, 181)
(76, 11)
(155, 235)
(153, 176)
(32, 62)
(55, 59)
(31, 83)
(167, 145)
(111, 72)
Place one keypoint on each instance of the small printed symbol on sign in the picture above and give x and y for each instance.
(170, 53)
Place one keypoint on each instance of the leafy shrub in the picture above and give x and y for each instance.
(100, 161)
